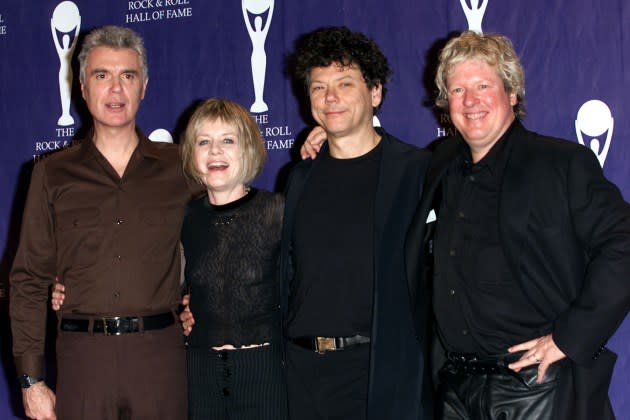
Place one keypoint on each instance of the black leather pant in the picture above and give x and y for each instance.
(487, 391)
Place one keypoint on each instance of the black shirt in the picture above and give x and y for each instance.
(231, 261)
(331, 294)
(478, 305)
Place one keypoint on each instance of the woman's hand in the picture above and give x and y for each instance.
(185, 316)
(58, 295)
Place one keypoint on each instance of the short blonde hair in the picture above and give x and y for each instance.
(250, 140)
(495, 50)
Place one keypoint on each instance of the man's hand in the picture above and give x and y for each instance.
(186, 317)
(542, 351)
(58, 296)
(39, 402)
(313, 143)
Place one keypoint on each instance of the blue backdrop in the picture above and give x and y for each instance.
(574, 53)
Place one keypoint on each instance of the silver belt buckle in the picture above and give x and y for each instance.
(324, 344)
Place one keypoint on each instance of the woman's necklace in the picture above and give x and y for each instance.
(228, 219)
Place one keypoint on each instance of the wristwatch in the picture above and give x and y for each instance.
(26, 381)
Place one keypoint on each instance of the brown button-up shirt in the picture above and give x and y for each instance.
(112, 241)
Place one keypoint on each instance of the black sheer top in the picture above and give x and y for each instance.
(231, 269)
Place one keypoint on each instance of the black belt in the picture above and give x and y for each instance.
(118, 325)
(478, 364)
(324, 344)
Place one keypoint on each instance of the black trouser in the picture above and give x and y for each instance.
(329, 386)
(242, 384)
(488, 390)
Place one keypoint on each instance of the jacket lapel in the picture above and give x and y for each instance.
(516, 198)
(385, 190)
(419, 234)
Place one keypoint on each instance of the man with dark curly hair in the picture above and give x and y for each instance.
(353, 351)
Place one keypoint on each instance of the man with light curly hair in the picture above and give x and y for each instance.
(529, 257)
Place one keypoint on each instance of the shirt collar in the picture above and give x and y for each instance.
(496, 157)
(146, 148)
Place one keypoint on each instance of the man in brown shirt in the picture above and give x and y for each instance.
(104, 217)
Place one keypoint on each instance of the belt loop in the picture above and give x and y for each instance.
(141, 324)
(91, 325)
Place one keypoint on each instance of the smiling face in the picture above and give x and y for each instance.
(219, 159)
(113, 86)
(479, 106)
(341, 101)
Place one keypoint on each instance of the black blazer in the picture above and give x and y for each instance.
(565, 230)
(397, 368)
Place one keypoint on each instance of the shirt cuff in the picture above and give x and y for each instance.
(31, 365)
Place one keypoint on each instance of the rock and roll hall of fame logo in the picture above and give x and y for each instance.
(65, 25)
(593, 120)
(262, 12)
(474, 13)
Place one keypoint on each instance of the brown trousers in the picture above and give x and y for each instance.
(136, 376)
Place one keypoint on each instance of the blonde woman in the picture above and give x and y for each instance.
(231, 240)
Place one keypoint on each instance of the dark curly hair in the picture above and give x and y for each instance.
(340, 45)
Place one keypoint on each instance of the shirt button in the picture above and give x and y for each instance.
(464, 332)
(119, 222)
(452, 253)
(451, 292)
(118, 257)
(472, 178)
(117, 294)
(460, 214)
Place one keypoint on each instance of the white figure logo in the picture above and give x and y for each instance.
(258, 35)
(65, 19)
(474, 13)
(161, 135)
(594, 119)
